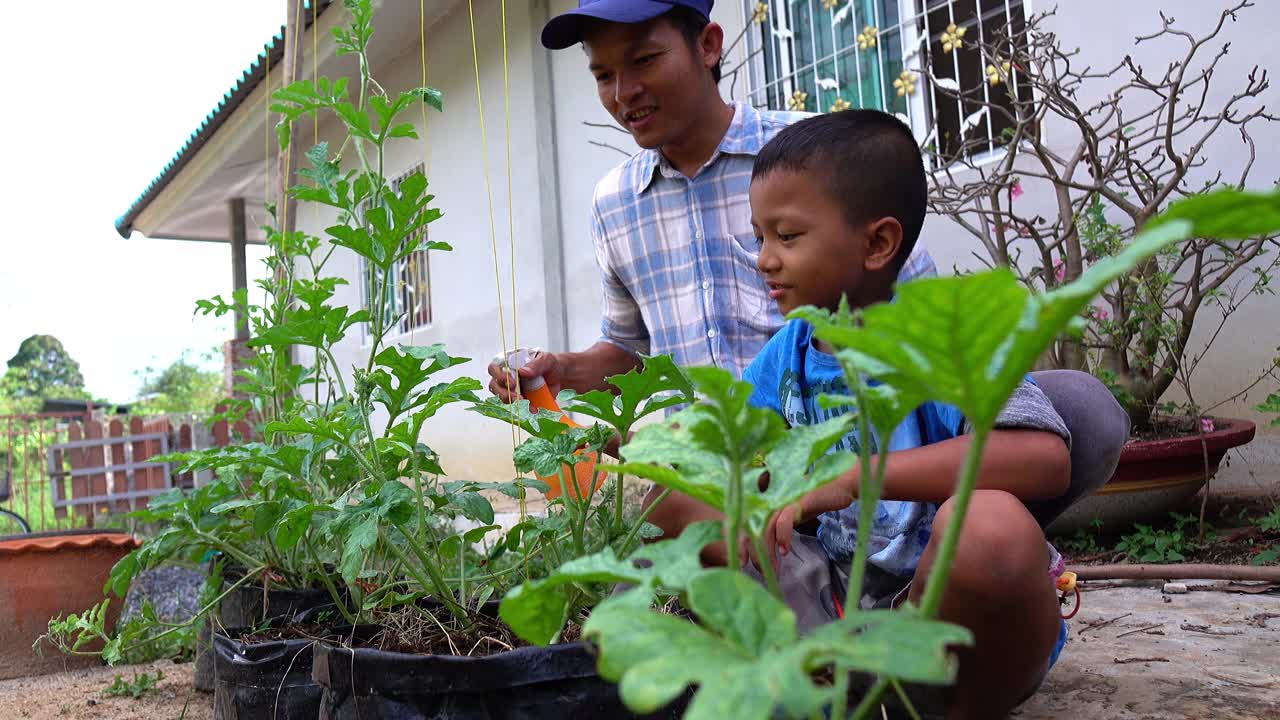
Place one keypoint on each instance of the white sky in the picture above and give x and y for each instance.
(100, 96)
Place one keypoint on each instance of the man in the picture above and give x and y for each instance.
(672, 232)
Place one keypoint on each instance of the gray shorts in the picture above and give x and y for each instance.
(812, 585)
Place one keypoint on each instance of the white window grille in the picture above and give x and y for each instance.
(816, 56)
(406, 302)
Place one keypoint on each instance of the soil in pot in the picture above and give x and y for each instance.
(484, 674)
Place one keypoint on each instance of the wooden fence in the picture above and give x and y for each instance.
(70, 471)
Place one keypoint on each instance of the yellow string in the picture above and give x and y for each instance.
(426, 144)
(285, 82)
(488, 187)
(511, 222)
(422, 43)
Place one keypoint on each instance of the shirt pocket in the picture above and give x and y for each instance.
(753, 307)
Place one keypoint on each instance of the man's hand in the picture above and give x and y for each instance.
(578, 371)
(503, 384)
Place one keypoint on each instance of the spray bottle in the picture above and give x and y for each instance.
(535, 390)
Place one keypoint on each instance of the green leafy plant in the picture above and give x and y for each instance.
(1272, 406)
(1150, 545)
(303, 502)
(578, 527)
(1269, 522)
(1084, 541)
(140, 685)
(1162, 545)
(1270, 556)
(319, 498)
(967, 341)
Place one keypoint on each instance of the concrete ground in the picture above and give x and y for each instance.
(1204, 654)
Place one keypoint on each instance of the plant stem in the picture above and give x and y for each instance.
(625, 549)
(179, 626)
(619, 490)
(871, 700)
(337, 371)
(868, 499)
(840, 706)
(906, 701)
(328, 582)
(462, 573)
(766, 568)
(569, 488)
(230, 548)
(941, 570)
(733, 516)
(437, 581)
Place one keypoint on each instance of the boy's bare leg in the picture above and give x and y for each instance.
(999, 588)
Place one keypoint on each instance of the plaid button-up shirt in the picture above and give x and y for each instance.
(678, 257)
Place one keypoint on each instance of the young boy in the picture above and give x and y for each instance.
(837, 203)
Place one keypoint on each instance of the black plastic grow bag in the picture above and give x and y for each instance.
(265, 680)
(522, 684)
(249, 606)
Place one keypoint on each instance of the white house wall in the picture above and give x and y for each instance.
(463, 288)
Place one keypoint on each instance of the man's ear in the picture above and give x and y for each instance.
(884, 239)
(711, 44)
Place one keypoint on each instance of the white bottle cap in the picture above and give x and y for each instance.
(517, 359)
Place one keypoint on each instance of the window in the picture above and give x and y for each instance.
(817, 55)
(407, 298)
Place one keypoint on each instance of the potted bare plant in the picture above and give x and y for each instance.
(1054, 166)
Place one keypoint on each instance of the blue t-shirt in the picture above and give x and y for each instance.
(789, 376)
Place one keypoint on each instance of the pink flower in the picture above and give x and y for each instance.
(1059, 271)
(1206, 425)
(1101, 314)
(1015, 192)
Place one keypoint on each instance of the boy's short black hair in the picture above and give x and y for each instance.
(868, 159)
(690, 23)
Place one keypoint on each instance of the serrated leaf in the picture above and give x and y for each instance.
(361, 538)
(535, 610)
(536, 422)
(475, 535)
(798, 465)
(745, 656)
(293, 525)
(474, 506)
(657, 385)
(970, 340)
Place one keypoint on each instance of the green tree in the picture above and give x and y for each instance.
(185, 386)
(42, 368)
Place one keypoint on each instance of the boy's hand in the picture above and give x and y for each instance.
(777, 535)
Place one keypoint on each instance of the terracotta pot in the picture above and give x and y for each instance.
(1155, 477)
(43, 575)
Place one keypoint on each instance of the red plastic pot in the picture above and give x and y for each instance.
(43, 575)
(1155, 477)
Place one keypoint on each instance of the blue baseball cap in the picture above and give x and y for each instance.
(565, 29)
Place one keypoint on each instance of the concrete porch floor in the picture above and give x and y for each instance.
(1218, 657)
(1227, 667)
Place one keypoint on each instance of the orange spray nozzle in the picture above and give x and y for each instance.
(535, 390)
